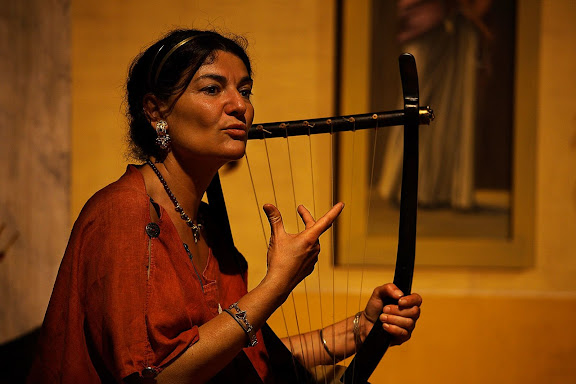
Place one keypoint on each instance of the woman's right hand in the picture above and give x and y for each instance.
(291, 257)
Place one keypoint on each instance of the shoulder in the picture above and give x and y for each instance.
(111, 228)
(125, 198)
(120, 209)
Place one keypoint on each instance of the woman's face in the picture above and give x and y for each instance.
(210, 120)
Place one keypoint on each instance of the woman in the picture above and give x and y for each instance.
(146, 290)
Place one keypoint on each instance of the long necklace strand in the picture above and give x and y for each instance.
(196, 228)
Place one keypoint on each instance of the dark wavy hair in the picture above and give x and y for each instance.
(165, 69)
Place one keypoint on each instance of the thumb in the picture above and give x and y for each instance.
(274, 218)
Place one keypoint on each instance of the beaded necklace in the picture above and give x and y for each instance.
(196, 228)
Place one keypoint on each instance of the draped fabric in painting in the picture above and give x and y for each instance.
(447, 60)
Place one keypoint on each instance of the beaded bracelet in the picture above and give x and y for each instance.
(240, 317)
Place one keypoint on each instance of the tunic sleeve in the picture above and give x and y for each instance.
(137, 318)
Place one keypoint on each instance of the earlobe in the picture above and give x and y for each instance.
(152, 109)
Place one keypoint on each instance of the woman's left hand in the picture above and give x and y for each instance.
(399, 319)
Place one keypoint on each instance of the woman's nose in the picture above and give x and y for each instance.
(236, 104)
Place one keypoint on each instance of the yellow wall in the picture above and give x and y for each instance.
(478, 325)
(106, 35)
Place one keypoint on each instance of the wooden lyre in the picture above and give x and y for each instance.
(286, 369)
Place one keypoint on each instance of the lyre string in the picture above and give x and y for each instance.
(304, 356)
(306, 294)
(351, 211)
(266, 240)
(312, 180)
(272, 183)
(370, 185)
(293, 182)
(256, 199)
(368, 210)
(333, 253)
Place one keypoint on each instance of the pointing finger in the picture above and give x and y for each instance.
(323, 223)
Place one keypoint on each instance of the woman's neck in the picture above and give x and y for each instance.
(187, 183)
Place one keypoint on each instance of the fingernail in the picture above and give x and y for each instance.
(384, 318)
(386, 310)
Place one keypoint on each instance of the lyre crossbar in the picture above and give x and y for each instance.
(336, 124)
(377, 342)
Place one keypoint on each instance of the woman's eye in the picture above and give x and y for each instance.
(246, 93)
(210, 90)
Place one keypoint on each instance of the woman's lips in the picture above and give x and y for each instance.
(237, 131)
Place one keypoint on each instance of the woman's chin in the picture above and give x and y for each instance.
(238, 156)
(237, 150)
(234, 154)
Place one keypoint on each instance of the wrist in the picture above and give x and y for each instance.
(365, 326)
(276, 288)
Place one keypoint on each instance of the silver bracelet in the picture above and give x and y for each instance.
(356, 330)
(328, 351)
(240, 317)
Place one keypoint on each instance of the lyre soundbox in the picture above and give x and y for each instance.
(286, 369)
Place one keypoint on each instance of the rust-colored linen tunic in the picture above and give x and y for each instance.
(126, 303)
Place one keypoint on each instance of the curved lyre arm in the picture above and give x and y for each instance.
(378, 340)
